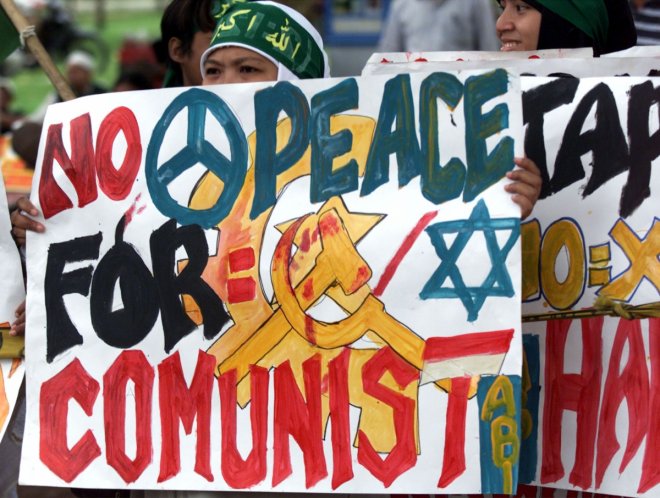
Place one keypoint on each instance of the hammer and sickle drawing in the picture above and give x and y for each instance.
(339, 271)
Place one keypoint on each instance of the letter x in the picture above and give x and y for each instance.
(644, 257)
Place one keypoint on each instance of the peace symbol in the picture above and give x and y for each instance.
(197, 150)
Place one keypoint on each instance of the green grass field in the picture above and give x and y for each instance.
(32, 85)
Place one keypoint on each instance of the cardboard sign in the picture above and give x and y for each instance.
(484, 56)
(594, 232)
(291, 287)
(594, 239)
(573, 65)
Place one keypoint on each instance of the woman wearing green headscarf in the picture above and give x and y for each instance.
(604, 25)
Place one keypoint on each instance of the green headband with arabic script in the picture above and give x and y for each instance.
(273, 32)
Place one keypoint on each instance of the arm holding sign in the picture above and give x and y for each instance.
(18, 327)
(21, 223)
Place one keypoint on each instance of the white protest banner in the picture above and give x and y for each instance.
(572, 63)
(591, 400)
(638, 51)
(595, 236)
(338, 258)
(596, 231)
(478, 55)
(591, 382)
(13, 292)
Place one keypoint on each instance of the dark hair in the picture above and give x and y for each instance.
(557, 32)
(135, 78)
(182, 19)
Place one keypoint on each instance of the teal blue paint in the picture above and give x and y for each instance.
(485, 169)
(396, 110)
(439, 183)
(325, 146)
(268, 103)
(198, 150)
(498, 281)
(529, 446)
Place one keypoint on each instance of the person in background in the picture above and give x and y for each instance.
(311, 9)
(438, 25)
(8, 116)
(18, 174)
(139, 54)
(186, 30)
(646, 14)
(604, 25)
(80, 68)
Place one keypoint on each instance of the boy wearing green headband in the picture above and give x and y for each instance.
(605, 25)
(262, 41)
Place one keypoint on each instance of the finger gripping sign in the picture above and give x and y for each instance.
(302, 287)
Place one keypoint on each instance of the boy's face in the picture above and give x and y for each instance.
(79, 77)
(189, 61)
(237, 65)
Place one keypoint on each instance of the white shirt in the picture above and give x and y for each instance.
(439, 25)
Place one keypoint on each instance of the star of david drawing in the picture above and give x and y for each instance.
(498, 281)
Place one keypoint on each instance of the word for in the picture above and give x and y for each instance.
(596, 401)
(397, 133)
(144, 294)
(612, 154)
(296, 415)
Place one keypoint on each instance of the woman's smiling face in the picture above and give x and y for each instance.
(518, 26)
